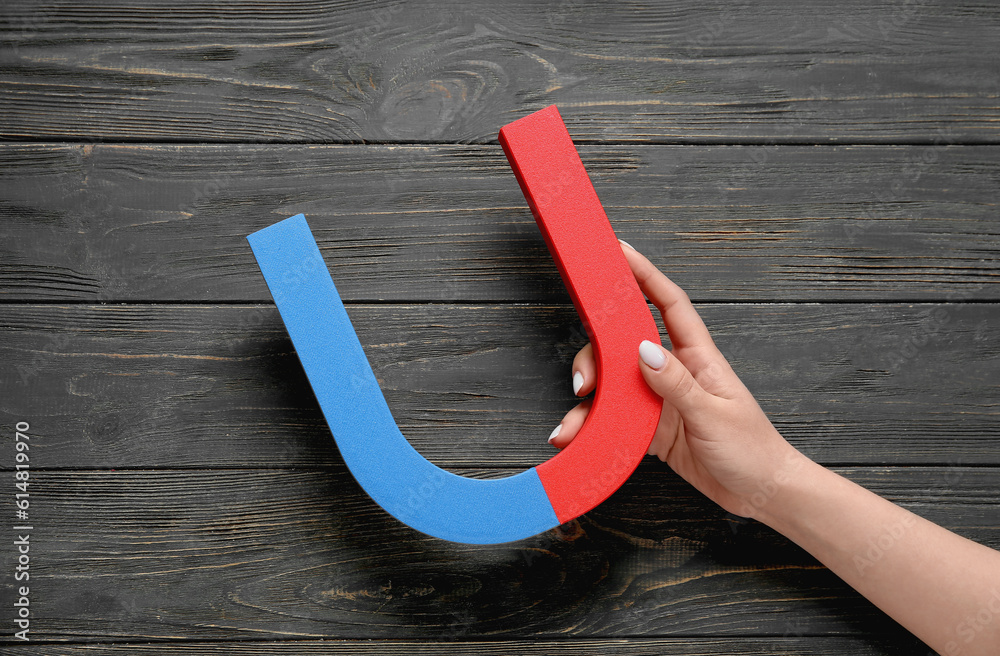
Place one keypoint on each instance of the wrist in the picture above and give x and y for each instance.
(782, 497)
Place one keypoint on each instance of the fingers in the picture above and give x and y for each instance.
(693, 345)
(670, 379)
(584, 381)
(684, 325)
(584, 371)
(570, 425)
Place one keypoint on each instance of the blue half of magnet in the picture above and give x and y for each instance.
(390, 470)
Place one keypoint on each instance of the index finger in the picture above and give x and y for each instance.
(683, 323)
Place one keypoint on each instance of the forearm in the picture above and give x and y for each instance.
(942, 587)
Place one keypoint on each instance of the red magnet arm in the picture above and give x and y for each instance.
(625, 411)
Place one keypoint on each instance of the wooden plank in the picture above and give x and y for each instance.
(673, 70)
(410, 223)
(789, 645)
(114, 386)
(279, 554)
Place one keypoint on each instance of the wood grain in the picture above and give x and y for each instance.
(673, 70)
(788, 645)
(822, 178)
(448, 223)
(285, 553)
(481, 386)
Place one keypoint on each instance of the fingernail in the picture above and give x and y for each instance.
(627, 244)
(651, 354)
(577, 382)
(555, 433)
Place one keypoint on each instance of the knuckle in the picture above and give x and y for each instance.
(678, 382)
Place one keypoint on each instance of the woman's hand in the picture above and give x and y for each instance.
(711, 430)
(939, 585)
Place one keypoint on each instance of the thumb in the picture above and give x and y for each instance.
(669, 378)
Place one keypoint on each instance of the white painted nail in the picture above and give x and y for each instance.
(651, 354)
(577, 382)
(627, 244)
(555, 433)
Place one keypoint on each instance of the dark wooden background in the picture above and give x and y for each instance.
(821, 177)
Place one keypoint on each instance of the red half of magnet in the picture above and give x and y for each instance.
(579, 236)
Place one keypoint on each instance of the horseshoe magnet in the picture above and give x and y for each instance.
(618, 430)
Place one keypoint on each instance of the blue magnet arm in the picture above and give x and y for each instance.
(391, 471)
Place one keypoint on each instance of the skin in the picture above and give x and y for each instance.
(942, 587)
